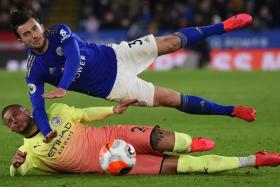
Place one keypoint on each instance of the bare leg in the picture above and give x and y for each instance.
(168, 44)
(169, 165)
(192, 35)
(162, 140)
(197, 105)
(166, 97)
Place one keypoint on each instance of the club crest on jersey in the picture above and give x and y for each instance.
(32, 88)
(56, 121)
(59, 51)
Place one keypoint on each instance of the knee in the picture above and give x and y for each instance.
(167, 98)
(156, 137)
(162, 140)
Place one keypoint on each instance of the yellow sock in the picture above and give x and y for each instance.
(182, 142)
(206, 164)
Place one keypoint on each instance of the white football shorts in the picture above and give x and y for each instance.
(132, 59)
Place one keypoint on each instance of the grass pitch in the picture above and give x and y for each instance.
(233, 137)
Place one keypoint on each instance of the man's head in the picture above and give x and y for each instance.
(18, 119)
(28, 30)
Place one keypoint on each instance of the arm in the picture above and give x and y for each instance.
(38, 105)
(39, 112)
(71, 52)
(98, 113)
(20, 165)
(95, 113)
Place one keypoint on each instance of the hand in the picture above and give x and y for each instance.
(123, 105)
(56, 93)
(51, 135)
(19, 159)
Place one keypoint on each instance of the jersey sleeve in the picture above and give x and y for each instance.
(82, 115)
(25, 167)
(38, 105)
(94, 113)
(71, 52)
(22, 170)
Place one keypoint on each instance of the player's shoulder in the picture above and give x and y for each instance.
(60, 109)
(57, 29)
(59, 32)
(33, 70)
(57, 108)
(25, 146)
(31, 58)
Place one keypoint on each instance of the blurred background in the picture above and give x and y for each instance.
(106, 21)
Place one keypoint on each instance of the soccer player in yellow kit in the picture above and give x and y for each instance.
(76, 148)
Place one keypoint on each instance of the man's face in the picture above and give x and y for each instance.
(18, 119)
(32, 34)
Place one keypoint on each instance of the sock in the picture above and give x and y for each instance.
(182, 142)
(198, 105)
(206, 164)
(247, 161)
(193, 35)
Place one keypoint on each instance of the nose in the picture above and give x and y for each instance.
(34, 35)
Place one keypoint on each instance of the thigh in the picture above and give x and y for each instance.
(140, 138)
(166, 97)
(142, 90)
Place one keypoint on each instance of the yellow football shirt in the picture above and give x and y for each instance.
(73, 144)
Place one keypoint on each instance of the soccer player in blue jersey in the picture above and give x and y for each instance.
(59, 57)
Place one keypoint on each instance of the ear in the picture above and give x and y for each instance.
(43, 27)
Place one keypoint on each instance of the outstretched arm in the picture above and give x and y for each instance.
(39, 112)
(98, 113)
(123, 105)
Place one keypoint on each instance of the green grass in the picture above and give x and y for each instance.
(233, 137)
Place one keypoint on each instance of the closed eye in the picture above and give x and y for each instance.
(26, 33)
(35, 27)
(10, 121)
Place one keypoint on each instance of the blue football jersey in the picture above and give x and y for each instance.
(69, 63)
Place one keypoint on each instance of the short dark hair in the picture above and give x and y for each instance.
(19, 17)
(7, 107)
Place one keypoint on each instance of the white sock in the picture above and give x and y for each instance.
(247, 161)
